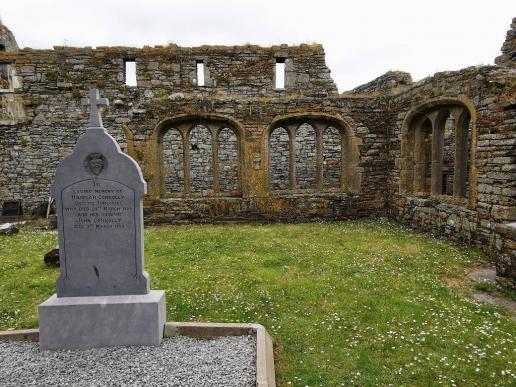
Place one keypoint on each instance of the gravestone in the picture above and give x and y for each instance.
(103, 295)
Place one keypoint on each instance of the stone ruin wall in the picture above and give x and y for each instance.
(508, 57)
(256, 152)
(53, 82)
(386, 84)
(486, 216)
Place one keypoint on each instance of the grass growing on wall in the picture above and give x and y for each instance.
(353, 303)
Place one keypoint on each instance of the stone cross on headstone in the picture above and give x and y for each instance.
(103, 295)
(95, 101)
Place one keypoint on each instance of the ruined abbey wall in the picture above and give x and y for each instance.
(153, 121)
(438, 155)
(485, 215)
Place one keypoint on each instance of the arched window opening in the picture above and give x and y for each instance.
(313, 151)
(228, 160)
(332, 157)
(306, 156)
(173, 161)
(198, 156)
(201, 165)
(437, 152)
(279, 159)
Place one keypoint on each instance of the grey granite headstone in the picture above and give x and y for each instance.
(98, 192)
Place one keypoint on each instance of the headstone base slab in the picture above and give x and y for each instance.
(102, 321)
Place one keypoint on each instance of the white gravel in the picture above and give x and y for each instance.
(179, 361)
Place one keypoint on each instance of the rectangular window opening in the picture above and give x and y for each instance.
(6, 76)
(130, 72)
(200, 73)
(280, 73)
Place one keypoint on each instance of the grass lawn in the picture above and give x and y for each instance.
(354, 303)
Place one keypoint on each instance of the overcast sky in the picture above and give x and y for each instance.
(362, 38)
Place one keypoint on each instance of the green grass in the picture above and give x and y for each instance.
(352, 303)
(496, 289)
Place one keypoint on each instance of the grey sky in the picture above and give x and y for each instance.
(362, 38)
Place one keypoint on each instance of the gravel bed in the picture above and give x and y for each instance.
(179, 361)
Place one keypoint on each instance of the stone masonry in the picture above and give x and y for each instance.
(438, 155)
(509, 48)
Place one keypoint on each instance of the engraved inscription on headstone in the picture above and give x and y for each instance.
(100, 214)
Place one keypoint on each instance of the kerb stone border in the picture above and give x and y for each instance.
(265, 375)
